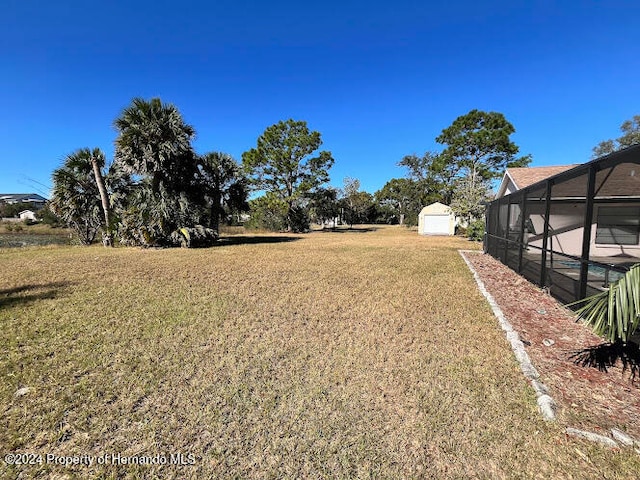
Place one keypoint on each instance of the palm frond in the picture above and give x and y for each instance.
(614, 314)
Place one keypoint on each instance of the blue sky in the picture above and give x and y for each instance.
(378, 80)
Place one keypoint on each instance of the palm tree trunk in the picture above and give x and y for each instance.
(107, 240)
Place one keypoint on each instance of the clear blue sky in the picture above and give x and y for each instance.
(379, 81)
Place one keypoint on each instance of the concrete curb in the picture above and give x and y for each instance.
(545, 403)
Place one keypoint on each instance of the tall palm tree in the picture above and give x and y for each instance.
(77, 196)
(154, 142)
(96, 155)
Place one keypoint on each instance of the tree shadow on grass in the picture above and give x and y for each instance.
(254, 239)
(31, 293)
(346, 230)
(607, 355)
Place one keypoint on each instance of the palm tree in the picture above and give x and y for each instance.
(96, 155)
(154, 142)
(76, 195)
(614, 314)
(222, 184)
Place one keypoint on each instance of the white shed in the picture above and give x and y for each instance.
(436, 219)
(27, 215)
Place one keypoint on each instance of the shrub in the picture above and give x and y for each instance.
(475, 230)
(193, 237)
(300, 221)
(46, 216)
(411, 219)
(267, 212)
(137, 229)
(270, 213)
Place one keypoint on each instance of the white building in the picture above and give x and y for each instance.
(27, 215)
(436, 219)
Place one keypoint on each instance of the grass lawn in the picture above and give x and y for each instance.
(348, 354)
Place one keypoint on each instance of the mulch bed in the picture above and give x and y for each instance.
(588, 397)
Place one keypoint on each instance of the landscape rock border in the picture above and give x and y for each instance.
(546, 404)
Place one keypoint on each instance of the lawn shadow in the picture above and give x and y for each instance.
(31, 293)
(346, 230)
(254, 239)
(607, 355)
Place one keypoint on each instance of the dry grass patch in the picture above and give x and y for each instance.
(350, 354)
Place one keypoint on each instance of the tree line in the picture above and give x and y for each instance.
(476, 150)
(157, 191)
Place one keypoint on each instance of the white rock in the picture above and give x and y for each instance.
(22, 391)
(547, 342)
(622, 437)
(529, 370)
(545, 402)
(539, 387)
(513, 336)
(519, 351)
(547, 407)
(592, 437)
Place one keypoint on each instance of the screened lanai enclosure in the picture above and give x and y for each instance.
(540, 232)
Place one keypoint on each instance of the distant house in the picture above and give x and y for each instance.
(38, 201)
(27, 215)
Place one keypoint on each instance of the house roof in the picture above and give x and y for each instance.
(524, 176)
(436, 208)
(22, 197)
(617, 175)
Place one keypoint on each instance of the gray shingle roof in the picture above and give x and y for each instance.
(22, 197)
